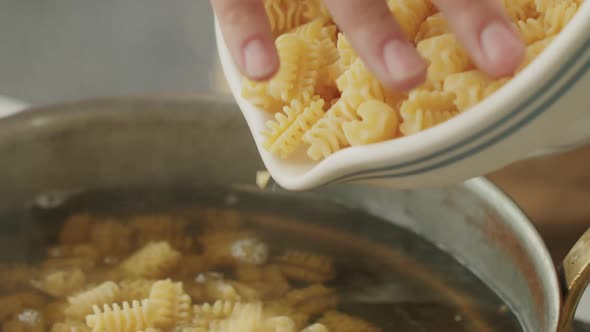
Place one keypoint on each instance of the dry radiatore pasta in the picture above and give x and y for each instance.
(285, 134)
(470, 88)
(543, 5)
(316, 31)
(424, 109)
(445, 56)
(531, 30)
(346, 57)
(299, 70)
(378, 123)
(558, 16)
(410, 14)
(285, 15)
(257, 94)
(357, 85)
(520, 9)
(433, 26)
(534, 50)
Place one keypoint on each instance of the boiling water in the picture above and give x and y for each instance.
(384, 274)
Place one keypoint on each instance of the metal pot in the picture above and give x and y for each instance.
(124, 142)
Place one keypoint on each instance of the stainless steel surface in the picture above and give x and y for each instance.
(123, 142)
(52, 51)
(486, 232)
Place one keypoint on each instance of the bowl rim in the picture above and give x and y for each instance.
(554, 67)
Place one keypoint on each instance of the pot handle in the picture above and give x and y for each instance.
(574, 274)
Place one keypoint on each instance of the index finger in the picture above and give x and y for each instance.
(487, 33)
(246, 31)
(380, 41)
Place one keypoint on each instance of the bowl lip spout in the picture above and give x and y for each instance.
(524, 99)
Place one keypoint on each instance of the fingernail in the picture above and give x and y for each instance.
(259, 60)
(501, 46)
(403, 62)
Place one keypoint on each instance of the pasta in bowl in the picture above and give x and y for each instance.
(325, 118)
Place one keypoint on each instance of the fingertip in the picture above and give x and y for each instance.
(502, 48)
(406, 68)
(248, 36)
(259, 58)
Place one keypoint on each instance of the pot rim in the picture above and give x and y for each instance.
(495, 196)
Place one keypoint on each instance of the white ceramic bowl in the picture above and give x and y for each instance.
(545, 109)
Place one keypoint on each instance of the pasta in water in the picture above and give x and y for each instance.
(318, 64)
(157, 287)
(81, 304)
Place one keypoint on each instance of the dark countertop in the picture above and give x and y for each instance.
(581, 327)
(555, 193)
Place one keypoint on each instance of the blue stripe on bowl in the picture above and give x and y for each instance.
(520, 109)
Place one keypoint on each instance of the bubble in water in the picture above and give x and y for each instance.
(30, 317)
(52, 199)
(250, 251)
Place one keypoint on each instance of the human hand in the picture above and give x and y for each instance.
(482, 26)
